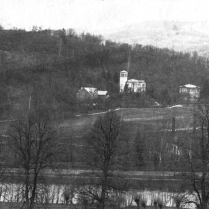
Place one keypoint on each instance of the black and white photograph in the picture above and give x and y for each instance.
(104, 104)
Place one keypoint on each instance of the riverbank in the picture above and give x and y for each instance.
(135, 179)
(16, 205)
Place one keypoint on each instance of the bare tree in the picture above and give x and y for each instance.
(104, 154)
(160, 204)
(144, 203)
(5, 166)
(179, 200)
(33, 146)
(196, 160)
(155, 203)
(139, 150)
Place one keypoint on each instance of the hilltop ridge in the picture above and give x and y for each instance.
(179, 36)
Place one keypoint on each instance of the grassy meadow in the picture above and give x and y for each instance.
(133, 119)
(155, 118)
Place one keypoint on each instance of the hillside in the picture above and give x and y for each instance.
(134, 119)
(152, 125)
(45, 67)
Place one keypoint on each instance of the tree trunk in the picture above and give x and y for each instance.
(27, 200)
(33, 195)
(204, 201)
(204, 204)
(102, 202)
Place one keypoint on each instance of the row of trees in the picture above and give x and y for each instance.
(192, 160)
(35, 146)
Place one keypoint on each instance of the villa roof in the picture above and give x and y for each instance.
(135, 81)
(102, 93)
(90, 89)
(191, 86)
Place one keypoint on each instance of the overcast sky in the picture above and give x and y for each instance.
(97, 16)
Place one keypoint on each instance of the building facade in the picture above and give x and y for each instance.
(189, 92)
(133, 85)
(136, 85)
(86, 93)
(123, 80)
(103, 95)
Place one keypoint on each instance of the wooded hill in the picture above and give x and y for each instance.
(45, 67)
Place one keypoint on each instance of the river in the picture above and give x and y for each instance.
(56, 194)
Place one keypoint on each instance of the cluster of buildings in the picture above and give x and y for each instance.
(188, 92)
(131, 85)
(86, 93)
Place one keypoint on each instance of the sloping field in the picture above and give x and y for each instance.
(156, 117)
(159, 117)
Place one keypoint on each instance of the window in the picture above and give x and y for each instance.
(123, 75)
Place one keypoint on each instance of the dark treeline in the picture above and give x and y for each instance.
(48, 67)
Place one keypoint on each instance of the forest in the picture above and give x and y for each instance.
(47, 68)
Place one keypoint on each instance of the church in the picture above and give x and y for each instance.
(133, 85)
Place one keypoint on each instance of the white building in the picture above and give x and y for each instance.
(190, 90)
(136, 85)
(123, 79)
(133, 85)
(103, 94)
